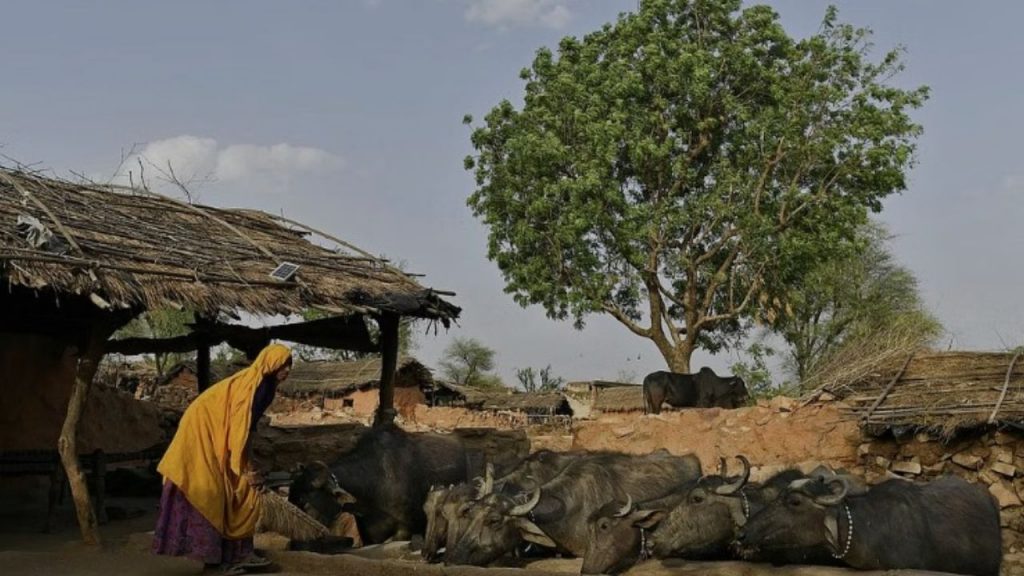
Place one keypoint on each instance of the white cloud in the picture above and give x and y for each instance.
(199, 159)
(240, 161)
(550, 13)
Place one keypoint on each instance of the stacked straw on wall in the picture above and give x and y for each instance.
(939, 391)
(279, 515)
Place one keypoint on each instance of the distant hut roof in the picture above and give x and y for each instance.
(620, 399)
(341, 378)
(498, 400)
(131, 248)
(938, 391)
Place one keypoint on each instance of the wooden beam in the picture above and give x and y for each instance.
(347, 333)
(389, 363)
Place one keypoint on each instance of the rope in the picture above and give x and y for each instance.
(1006, 384)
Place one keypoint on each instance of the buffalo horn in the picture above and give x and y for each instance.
(722, 467)
(487, 486)
(524, 508)
(833, 499)
(728, 489)
(625, 509)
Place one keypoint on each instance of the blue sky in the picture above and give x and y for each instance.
(347, 115)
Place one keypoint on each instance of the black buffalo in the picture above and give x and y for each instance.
(947, 525)
(449, 509)
(698, 521)
(705, 389)
(555, 514)
(389, 473)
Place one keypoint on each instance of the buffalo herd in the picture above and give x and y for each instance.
(613, 509)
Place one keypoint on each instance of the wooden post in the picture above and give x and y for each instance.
(67, 445)
(203, 365)
(389, 364)
(202, 331)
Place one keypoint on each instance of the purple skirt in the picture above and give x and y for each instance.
(181, 530)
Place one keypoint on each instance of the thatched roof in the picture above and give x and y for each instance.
(130, 248)
(619, 399)
(342, 378)
(938, 391)
(497, 400)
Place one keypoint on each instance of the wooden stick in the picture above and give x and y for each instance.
(888, 388)
(1006, 384)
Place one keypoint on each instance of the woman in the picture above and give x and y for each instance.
(209, 505)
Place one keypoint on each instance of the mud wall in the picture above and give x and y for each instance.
(36, 377)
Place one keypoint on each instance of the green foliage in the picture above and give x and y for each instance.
(466, 361)
(857, 293)
(166, 323)
(539, 380)
(754, 370)
(678, 167)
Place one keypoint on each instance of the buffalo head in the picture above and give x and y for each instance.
(495, 524)
(801, 517)
(315, 490)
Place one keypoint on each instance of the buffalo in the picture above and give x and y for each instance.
(947, 525)
(555, 514)
(700, 520)
(389, 473)
(705, 389)
(442, 509)
(448, 509)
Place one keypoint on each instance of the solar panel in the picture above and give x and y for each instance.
(284, 271)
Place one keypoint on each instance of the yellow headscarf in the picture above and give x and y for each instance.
(206, 459)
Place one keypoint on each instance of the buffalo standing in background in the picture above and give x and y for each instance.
(705, 389)
(947, 525)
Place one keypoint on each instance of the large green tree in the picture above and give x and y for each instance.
(468, 362)
(676, 168)
(163, 323)
(859, 292)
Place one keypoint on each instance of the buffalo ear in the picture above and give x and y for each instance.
(647, 519)
(531, 533)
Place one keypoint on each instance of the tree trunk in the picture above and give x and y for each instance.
(389, 363)
(680, 360)
(67, 445)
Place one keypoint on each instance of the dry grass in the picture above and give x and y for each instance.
(134, 248)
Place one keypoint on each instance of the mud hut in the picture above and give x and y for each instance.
(592, 397)
(80, 260)
(355, 385)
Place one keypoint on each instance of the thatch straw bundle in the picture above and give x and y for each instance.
(279, 515)
(939, 391)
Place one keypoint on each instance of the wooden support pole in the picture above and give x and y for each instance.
(389, 364)
(67, 444)
(203, 365)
